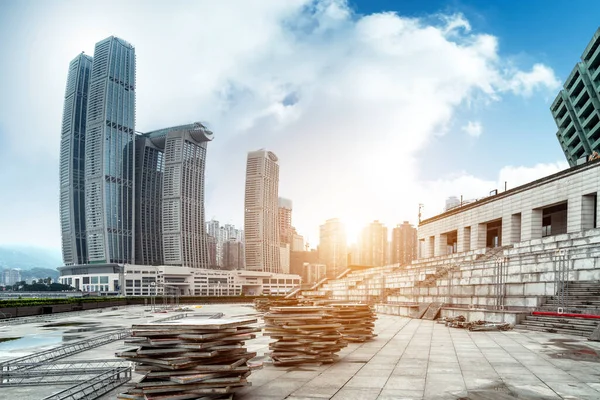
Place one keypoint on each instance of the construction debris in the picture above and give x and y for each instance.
(461, 322)
(357, 320)
(206, 359)
(264, 305)
(304, 335)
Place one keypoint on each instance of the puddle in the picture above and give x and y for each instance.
(8, 339)
(29, 341)
(70, 338)
(62, 324)
(572, 350)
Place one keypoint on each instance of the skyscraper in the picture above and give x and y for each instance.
(72, 162)
(374, 245)
(261, 227)
(333, 251)
(184, 239)
(285, 220)
(110, 153)
(404, 244)
(149, 178)
(576, 109)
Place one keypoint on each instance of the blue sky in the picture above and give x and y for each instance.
(395, 102)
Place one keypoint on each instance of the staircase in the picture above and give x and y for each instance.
(582, 297)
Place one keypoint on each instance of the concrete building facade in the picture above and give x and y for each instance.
(333, 250)
(565, 202)
(285, 220)
(145, 280)
(576, 109)
(261, 208)
(403, 248)
(374, 245)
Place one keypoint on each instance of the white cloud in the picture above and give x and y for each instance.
(473, 128)
(345, 101)
(525, 83)
(471, 187)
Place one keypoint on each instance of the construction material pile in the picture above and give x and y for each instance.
(181, 360)
(264, 305)
(304, 335)
(357, 320)
(461, 322)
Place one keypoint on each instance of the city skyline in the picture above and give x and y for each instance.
(307, 118)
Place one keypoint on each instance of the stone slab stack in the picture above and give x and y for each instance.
(303, 335)
(190, 360)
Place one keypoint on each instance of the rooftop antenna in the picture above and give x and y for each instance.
(420, 209)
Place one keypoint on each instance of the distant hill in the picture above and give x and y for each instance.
(26, 257)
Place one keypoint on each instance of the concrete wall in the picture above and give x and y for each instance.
(520, 210)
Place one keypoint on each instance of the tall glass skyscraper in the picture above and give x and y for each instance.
(170, 196)
(110, 154)
(72, 162)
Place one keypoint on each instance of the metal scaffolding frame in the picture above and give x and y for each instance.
(500, 273)
(59, 372)
(95, 387)
(90, 378)
(561, 278)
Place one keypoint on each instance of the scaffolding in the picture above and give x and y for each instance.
(95, 387)
(58, 372)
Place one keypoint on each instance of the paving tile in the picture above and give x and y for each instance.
(534, 391)
(278, 387)
(576, 389)
(356, 394)
(389, 394)
(405, 383)
(318, 392)
(364, 382)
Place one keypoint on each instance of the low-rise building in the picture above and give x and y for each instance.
(147, 280)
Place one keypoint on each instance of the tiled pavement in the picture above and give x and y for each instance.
(418, 359)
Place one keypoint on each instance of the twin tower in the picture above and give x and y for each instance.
(126, 197)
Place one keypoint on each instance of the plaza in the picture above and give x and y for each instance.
(409, 359)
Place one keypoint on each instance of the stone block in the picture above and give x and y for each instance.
(584, 263)
(482, 290)
(588, 275)
(467, 290)
(547, 277)
(515, 289)
(486, 280)
(535, 289)
(514, 269)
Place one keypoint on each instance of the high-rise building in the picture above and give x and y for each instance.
(110, 153)
(184, 239)
(285, 220)
(284, 257)
(72, 162)
(11, 276)
(297, 242)
(374, 245)
(261, 227)
(233, 254)
(576, 109)
(333, 251)
(299, 258)
(149, 179)
(404, 244)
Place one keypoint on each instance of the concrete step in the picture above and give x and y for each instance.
(552, 330)
(573, 309)
(560, 320)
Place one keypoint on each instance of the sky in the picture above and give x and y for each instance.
(371, 106)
